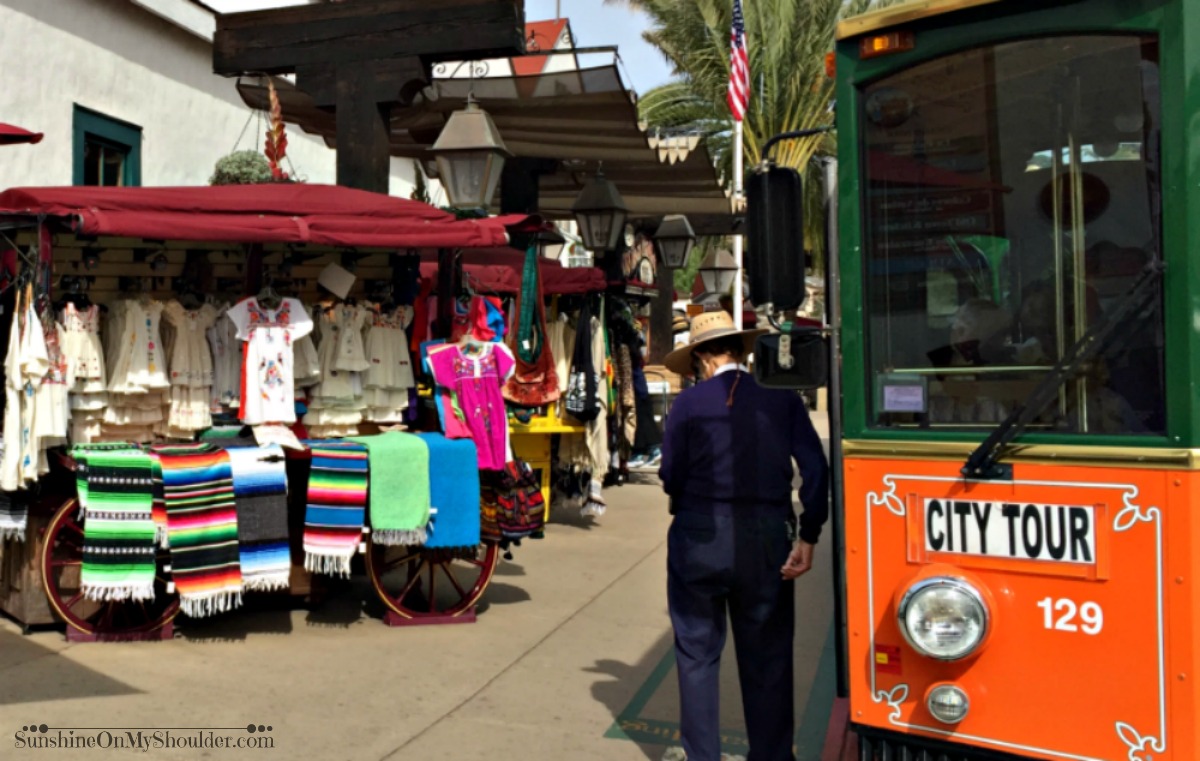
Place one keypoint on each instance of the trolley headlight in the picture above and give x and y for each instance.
(948, 703)
(943, 618)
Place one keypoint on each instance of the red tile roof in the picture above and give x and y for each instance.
(539, 36)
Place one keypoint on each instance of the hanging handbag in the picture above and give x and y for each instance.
(582, 402)
(534, 382)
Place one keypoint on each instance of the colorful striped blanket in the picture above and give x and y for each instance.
(118, 530)
(159, 506)
(260, 492)
(14, 515)
(202, 527)
(337, 499)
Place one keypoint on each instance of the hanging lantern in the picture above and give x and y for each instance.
(719, 272)
(600, 212)
(470, 157)
(675, 239)
(551, 244)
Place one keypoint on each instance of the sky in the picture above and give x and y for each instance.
(594, 23)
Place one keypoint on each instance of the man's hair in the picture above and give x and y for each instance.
(734, 346)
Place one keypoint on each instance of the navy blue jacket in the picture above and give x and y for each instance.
(717, 457)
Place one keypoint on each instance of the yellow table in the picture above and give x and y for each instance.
(531, 443)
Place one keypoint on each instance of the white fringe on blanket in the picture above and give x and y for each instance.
(119, 592)
(160, 537)
(327, 565)
(267, 582)
(210, 604)
(397, 538)
(12, 532)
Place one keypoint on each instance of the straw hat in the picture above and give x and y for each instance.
(706, 327)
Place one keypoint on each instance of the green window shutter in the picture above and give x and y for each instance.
(92, 126)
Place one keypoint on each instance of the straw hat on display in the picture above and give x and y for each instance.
(707, 327)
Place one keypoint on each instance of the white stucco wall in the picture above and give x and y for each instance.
(120, 59)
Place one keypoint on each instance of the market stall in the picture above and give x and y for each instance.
(288, 343)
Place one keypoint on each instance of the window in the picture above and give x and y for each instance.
(107, 151)
(1012, 198)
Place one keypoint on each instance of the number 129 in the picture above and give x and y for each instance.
(1060, 615)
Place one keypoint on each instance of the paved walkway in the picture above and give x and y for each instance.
(570, 660)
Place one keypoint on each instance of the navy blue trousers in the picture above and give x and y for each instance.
(730, 564)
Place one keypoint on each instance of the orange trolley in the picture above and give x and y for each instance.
(1015, 349)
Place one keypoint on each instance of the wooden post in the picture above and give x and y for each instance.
(253, 276)
(361, 59)
(449, 285)
(662, 317)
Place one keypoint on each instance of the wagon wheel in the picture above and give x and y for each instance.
(417, 583)
(62, 564)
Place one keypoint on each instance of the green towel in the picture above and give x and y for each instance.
(398, 498)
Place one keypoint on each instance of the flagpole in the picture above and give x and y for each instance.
(738, 241)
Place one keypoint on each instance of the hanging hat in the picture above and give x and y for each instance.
(337, 280)
(707, 327)
(679, 323)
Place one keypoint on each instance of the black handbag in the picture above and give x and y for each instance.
(582, 402)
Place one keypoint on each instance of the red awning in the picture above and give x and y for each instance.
(11, 135)
(319, 214)
(498, 270)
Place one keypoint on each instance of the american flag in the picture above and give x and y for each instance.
(739, 65)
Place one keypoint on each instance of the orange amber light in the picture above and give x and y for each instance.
(831, 65)
(883, 44)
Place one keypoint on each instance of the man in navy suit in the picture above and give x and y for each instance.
(735, 546)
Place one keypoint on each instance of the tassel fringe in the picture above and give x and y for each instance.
(210, 604)
(119, 592)
(16, 533)
(267, 583)
(398, 538)
(160, 537)
(327, 565)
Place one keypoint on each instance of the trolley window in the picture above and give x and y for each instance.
(1011, 196)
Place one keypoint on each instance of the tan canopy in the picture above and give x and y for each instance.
(580, 118)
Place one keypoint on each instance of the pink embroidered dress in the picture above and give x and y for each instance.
(268, 384)
(475, 374)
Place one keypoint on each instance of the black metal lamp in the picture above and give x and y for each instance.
(470, 157)
(719, 272)
(551, 244)
(601, 213)
(675, 239)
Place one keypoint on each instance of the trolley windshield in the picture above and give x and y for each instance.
(1011, 196)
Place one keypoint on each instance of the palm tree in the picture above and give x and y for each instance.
(788, 41)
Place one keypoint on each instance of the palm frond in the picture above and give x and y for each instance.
(787, 40)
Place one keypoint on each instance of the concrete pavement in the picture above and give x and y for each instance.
(570, 659)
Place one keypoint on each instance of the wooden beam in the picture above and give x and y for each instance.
(280, 40)
(363, 136)
(396, 80)
(519, 185)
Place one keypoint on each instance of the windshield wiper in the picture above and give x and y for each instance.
(984, 461)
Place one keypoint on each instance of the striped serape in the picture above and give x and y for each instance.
(454, 489)
(14, 515)
(260, 492)
(201, 527)
(337, 499)
(118, 530)
(159, 507)
(79, 454)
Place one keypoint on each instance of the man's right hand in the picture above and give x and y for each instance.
(799, 562)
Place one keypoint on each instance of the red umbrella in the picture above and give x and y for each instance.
(10, 135)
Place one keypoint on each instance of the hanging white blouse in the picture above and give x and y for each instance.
(268, 376)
